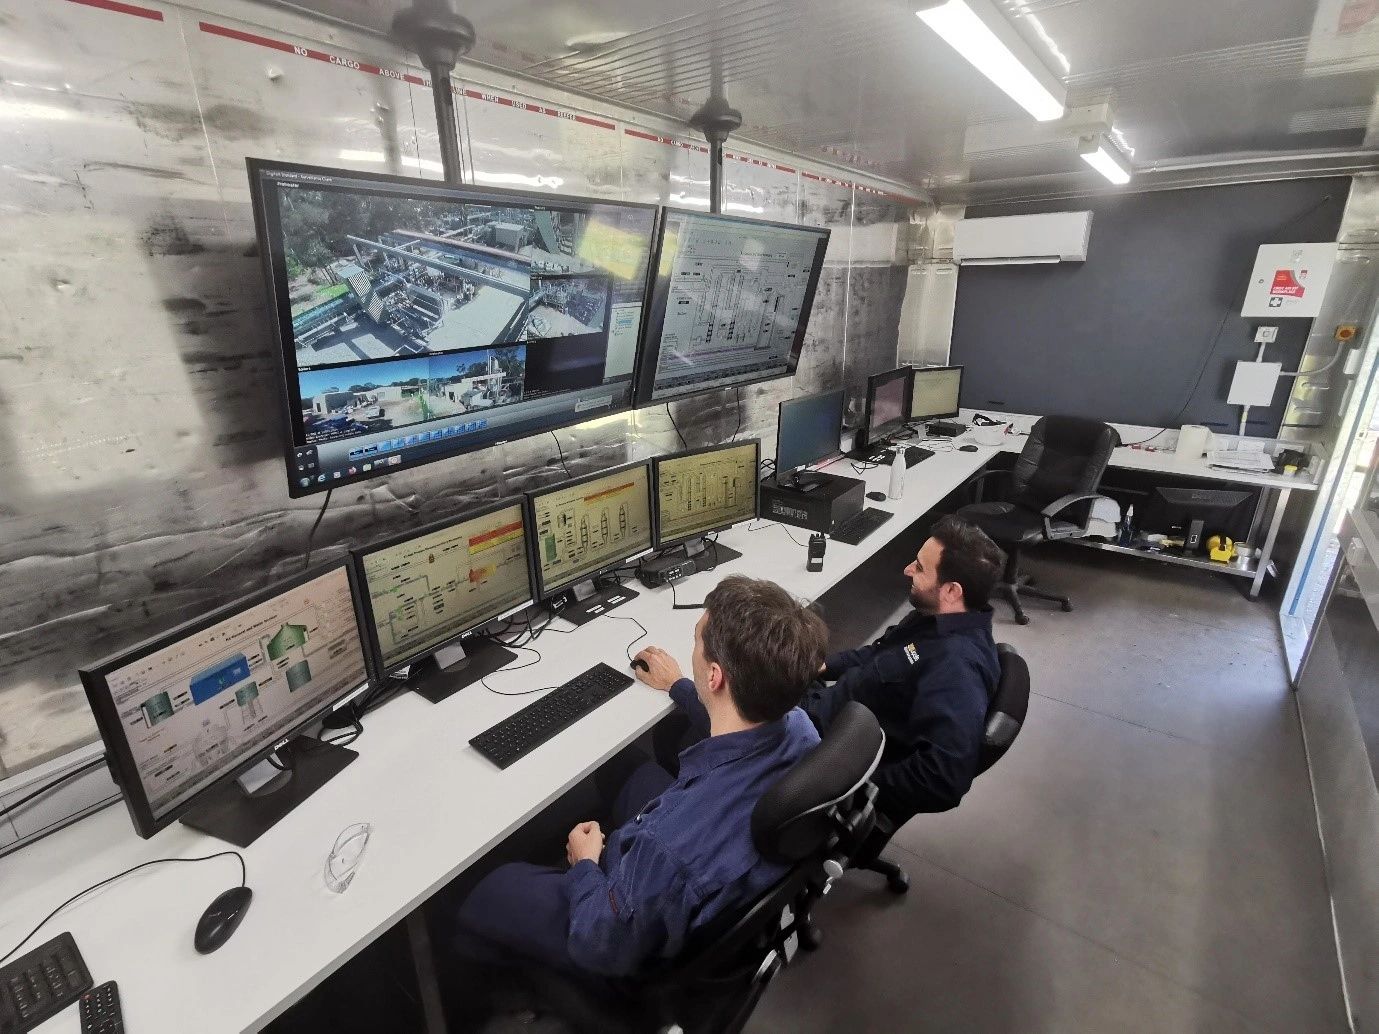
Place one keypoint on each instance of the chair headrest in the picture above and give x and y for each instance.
(791, 820)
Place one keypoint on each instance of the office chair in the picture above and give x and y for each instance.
(1005, 716)
(813, 819)
(1059, 468)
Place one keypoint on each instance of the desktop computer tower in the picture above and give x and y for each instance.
(820, 509)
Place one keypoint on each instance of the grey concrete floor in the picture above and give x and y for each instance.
(1145, 858)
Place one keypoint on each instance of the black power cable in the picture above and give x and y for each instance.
(306, 560)
(52, 785)
(683, 444)
(562, 453)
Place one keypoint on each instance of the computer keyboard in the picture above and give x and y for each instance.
(860, 525)
(516, 736)
(913, 454)
(40, 984)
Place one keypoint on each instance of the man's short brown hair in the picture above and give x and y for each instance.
(768, 645)
(969, 558)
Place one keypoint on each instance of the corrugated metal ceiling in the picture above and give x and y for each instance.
(867, 84)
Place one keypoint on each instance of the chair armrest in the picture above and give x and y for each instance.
(976, 481)
(1059, 505)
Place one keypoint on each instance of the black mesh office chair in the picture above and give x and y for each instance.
(1052, 488)
(1005, 716)
(814, 819)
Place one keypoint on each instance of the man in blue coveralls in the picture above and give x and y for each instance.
(929, 679)
(682, 850)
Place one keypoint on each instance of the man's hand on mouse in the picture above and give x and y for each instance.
(661, 672)
(585, 841)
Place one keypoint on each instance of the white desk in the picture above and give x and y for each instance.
(435, 804)
(1159, 456)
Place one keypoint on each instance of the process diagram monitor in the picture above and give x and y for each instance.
(705, 490)
(808, 430)
(425, 591)
(888, 404)
(584, 527)
(185, 713)
(935, 393)
(730, 302)
(418, 320)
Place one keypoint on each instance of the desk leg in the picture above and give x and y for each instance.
(1267, 553)
(424, 964)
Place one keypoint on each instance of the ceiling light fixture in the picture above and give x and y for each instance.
(1101, 153)
(980, 33)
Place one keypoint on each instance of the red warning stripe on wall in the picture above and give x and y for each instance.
(540, 109)
(669, 141)
(315, 55)
(119, 8)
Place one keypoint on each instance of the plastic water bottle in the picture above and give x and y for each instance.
(1127, 527)
(897, 488)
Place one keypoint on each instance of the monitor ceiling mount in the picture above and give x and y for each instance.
(435, 33)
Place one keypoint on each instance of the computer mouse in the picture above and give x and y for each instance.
(967, 448)
(637, 662)
(880, 497)
(221, 918)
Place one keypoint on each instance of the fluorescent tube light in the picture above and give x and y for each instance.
(980, 33)
(1104, 156)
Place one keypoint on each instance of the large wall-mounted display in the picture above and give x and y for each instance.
(419, 320)
(729, 305)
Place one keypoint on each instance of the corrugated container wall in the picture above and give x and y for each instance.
(141, 478)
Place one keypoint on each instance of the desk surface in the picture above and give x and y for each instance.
(436, 807)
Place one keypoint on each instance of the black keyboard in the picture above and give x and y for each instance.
(913, 454)
(40, 984)
(860, 525)
(520, 734)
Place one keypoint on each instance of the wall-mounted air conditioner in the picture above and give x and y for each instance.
(1020, 239)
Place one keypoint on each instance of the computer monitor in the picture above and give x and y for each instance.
(703, 491)
(888, 406)
(417, 319)
(729, 303)
(808, 430)
(1222, 511)
(935, 392)
(183, 714)
(427, 590)
(584, 528)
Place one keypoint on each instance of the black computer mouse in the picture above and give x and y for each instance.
(637, 662)
(967, 448)
(880, 497)
(221, 918)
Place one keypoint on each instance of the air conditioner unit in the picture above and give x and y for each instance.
(1021, 239)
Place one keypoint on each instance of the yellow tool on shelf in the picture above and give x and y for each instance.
(1221, 549)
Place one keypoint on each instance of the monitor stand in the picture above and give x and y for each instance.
(451, 668)
(586, 601)
(707, 555)
(241, 810)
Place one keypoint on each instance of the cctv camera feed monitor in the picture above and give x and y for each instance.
(426, 591)
(809, 430)
(192, 711)
(419, 320)
(888, 396)
(730, 303)
(705, 491)
(935, 393)
(584, 527)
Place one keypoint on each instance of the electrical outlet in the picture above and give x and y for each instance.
(1266, 335)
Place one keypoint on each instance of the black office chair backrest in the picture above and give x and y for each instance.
(1065, 455)
(793, 819)
(1005, 715)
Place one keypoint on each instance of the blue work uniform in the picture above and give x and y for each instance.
(682, 857)
(929, 681)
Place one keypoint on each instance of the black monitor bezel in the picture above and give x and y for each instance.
(657, 541)
(914, 376)
(842, 417)
(867, 436)
(280, 306)
(120, 759)
(545, 592)
(648, 354)
(378, 669)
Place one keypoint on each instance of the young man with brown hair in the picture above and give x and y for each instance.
(682, 850)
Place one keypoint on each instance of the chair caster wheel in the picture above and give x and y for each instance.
(811, 937)
(1022, 619)
(898, 883)
(1067, 608)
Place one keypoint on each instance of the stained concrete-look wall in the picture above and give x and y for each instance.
(141, 479)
